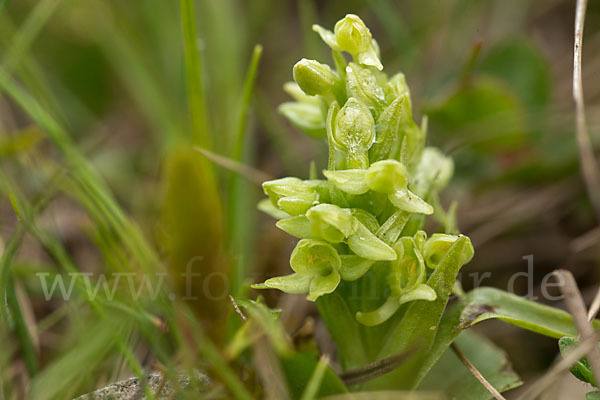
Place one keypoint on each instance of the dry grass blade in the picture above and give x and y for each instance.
(374, 370)
(473, 370)
(237, 309)
(576, 307)
(253, 175)
(589, 166)
(541, 384)
(595, 307)
(269, 370)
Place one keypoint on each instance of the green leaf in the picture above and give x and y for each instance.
(581, 369)
(417, 329)
(451, 376)
(299, 369)
(488, 303)
(344, 330)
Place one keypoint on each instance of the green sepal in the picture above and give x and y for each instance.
(293, 283)
(305, 116)
(298, 226)
(266, 206)
(327, 36)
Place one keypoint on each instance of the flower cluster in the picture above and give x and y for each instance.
(380, 182)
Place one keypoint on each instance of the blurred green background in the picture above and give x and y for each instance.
(103, 102)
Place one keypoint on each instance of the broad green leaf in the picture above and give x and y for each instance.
(191, 198)
(451, 376)
(522, 64)
(344, 330)
(489, 303)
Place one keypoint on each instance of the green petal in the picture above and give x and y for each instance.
(321, 285)
(331, 223)
(365, 244)
(350, 180)
(314, 257)
(353, 267)
(387, 176)
(296, 226)
(294, 283)
(436, 248)
(379, 315)
(421, 292)
(408, 201)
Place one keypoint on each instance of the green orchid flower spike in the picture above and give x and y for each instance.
(363, 220)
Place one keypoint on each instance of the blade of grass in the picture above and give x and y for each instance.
(84, 174)
(239, 208)
(31, 28)
(193, 71)
(312, 388)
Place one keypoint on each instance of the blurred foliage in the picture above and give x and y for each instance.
(96, 136)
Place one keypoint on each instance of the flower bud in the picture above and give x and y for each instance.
(433, 172)
(388, 139)
(313, 77)
(354, 132)
(387, 176)
(292, 195)
(397, 86)
(362, 84)
(353, 36)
